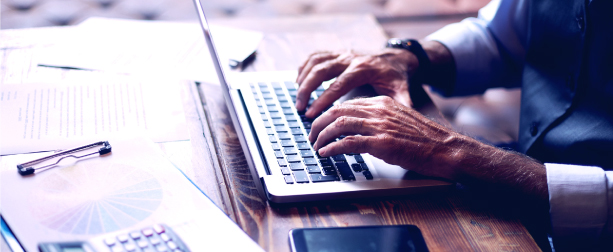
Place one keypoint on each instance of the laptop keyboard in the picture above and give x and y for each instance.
(288, 131)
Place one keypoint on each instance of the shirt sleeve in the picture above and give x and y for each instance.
(489, 50)
(581, 206)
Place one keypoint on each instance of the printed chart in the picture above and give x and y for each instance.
(95, 198)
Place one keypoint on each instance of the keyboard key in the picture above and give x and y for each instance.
(282, 162)
(262, 111)
(278, 122)
(276, 146)
(320, 178)
(270, 102)
(267, 96)
(287, 143)
(296, 166)
(293, 158)
(272, 108)
(123, 238)
(285, 105)
(286, 136)
(367, 174)
(275, 115)
(147, 232)
(135, 235)
(300, 138)
(142, 244)
(276, 85)
(319, 92)
(290, 85)
(288, 179)
(109, 241)
(270, 132)
(172, 245)
(267, 124)
(345, 171)
(296, 131)
(279, 154)
(282, 98)
(265, 90)
(329, 170)
(288, 111)
(259, 103)
(310, 161)
(292, 92)
(130, 247)
(313, 169)
(262, 84)
(358, 158)
(306, 153)
(291, 117)
(285, 171)
(290, 151)
(301, 177)
(279, 92)
(304, 146)
(364, 167)
(307, 125)
(281, 129)
(338, 158)
(356, 167)
(293, 124)
(325, 162)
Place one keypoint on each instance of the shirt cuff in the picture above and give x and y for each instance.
(578, 203)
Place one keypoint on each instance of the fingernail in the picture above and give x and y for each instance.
(322, 151)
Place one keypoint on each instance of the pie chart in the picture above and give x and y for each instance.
(94, 198)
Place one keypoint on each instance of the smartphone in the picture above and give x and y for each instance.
(360, 238)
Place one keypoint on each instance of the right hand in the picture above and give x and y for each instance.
(388, 72)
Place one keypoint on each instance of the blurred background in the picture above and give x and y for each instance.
(493, 117)
(395, 16)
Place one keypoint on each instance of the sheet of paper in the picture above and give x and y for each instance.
(51, 116)
(133, 187)
(153, 47)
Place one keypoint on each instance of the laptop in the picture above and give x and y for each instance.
(274, 138)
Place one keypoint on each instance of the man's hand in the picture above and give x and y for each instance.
(387, 72)
(391, 131)
(401, 136)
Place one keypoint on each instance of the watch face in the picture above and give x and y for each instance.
(394, 43)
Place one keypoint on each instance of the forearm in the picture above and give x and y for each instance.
(496, 169)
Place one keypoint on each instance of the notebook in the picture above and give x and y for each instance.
(274, 138)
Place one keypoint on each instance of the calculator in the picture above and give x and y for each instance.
(157, 238)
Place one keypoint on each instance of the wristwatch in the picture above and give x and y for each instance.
(413, 46)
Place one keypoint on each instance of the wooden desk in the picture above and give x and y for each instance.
(214, 159)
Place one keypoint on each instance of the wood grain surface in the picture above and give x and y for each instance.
(449, 222)
(214, 160)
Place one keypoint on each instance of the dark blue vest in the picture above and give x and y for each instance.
(567, 89)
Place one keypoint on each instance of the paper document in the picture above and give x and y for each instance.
(133, 187)
(42, 117)
(169, 48)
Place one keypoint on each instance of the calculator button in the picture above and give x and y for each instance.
(122, 238)
(130, 247)
(135, 235)
(172, 245)
(154, 240)
(117, 249)
(109, 241)
(147, 232)
(142, 243)
(165, 237)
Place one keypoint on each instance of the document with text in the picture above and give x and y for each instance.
(42, 117)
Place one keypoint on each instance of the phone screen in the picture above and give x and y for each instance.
(364, 238)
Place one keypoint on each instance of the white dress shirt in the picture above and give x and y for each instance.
(486, 50)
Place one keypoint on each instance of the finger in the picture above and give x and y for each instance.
(312, 61)
(348, 80)
(349, 144)
(318, 74)
(331, 115)
(344, 125)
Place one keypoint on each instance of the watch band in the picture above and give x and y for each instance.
(422, 57)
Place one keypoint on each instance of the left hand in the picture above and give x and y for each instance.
(390, 131)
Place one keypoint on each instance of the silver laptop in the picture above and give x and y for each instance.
(274, 137)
